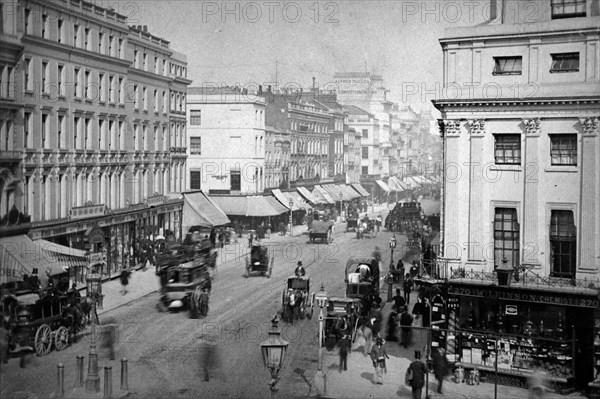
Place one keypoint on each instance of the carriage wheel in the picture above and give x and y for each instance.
(43, 340)
(61, 338)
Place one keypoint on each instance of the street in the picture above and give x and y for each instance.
(163, 349)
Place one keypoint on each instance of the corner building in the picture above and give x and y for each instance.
(92, 126)
(521, 194)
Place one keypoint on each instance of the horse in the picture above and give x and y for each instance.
(293, 305)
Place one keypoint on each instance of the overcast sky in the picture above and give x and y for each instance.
(397, 39)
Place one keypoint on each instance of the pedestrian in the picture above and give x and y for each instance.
(399, 301)
(415, 375)
(391, 326)
(440, 366)
(537, 382)
(210, 359)
(250, 239)
(345, 348)
(299, 271)
(406, 321)
(379, 221)
(378, 356)
(408, 284)
(108, 331)
(124, 277)
(221, 239)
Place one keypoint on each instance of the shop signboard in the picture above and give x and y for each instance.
(511, 310)
(453, 302)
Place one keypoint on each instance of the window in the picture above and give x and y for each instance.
(566, 62)
(121, 48)
(155, 100)
(156, 64)
(77, 84)
(365, 153)
(563, 149)
(563, 242)
(111, 89)
(28, 72)
(508, 65)
(76, 135)
(28, 22)
(45, 26)
(87, 134)
(568, 8)
(195, 117)
(102, 86)
(365, 170)
(195, 180)
(121, 90)
(101, 43)
(136, 103)
(88, 83)
(164, 102)
(506, 237)
(61, 79)
(88, 41)
(75, 35)
(136, 59)
(145, 65)
(61, 31)
(365, 133)
(27, 130)
(145, 98)
(236, 180)
(61, 129)
(196, 145)
(507, 149)
(111, 46)
(45, 130)
(45, 77)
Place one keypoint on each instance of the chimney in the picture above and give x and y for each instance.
(269, 88)
(314, 86)
(146, 28)
(260, 90)
(493, 9)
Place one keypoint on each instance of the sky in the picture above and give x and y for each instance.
(240, 42)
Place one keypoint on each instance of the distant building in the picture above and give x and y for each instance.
(227, 141)
(277, 158)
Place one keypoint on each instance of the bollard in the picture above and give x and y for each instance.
(79, 371)
(107, 382)
(60, 385)
(124, 382)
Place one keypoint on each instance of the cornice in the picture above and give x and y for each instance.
(515, 102)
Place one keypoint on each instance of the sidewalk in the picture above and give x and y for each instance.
(358, 381)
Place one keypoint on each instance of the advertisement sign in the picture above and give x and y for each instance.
(511, 310)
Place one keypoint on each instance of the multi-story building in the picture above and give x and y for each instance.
(352, 154)
(227, 140)
(277, 158)
(85, 126)
(521, 192)
(308, 124)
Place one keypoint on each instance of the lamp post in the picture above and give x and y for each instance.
(291, 225)
(273, 353)
(321, 299)
(390, 279)
(92, 383)
(392, 246)
(341, 204)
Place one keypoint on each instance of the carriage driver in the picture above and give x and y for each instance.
(300, 272)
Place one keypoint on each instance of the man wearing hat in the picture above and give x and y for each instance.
(378, 356)
(300, 272)
(415, 375)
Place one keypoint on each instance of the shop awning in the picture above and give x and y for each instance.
(411, 183)
(19, 255)
(334, 192)
(284, 199)
(199, 210)
(360, 189)
(276, 206)
(383, 186)
(307, 195)
(66, 257)
(349, 191)
(298, 200)
(395, 185)
(322, 195)
(231, 206)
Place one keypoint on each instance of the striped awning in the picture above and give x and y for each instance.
(334, 192)
(349, 191)
(284, 199)
(307, 195)
(199, 210)
(395, 184)
(383, 186)
(323, 195)
(360, 189)
(275, 205)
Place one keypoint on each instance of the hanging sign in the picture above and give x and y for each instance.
(511, 310)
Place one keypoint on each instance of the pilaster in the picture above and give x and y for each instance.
(589, 248)
(530, 252)
(450, 130)
(476, 182)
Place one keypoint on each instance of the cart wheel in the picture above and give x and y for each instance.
(61, 338)
(43, 340)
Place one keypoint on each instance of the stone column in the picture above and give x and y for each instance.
(530, 250)
(474, 174)
(451, 177)
(589, 217)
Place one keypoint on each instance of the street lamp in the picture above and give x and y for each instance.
(321, 299)
(94, 288)
(390, 278)
(273, 354)
(291, 225)
(392, 246)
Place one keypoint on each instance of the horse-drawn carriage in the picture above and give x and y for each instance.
(185, 278)
(366, 227)
(321, 230)
(296, 300)
(362, 277)
(259, 261)
(43, 320)
(341, 319)
(351, 223)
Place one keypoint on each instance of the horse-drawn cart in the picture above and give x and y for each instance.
(259, 261)
(362, 277)
(40, 322)
(321, 230)
(341, 319)
(296, 300)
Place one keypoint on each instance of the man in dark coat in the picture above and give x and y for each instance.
(415, 375)
(124, 277)
(345, 346)
(378, 356)
(406, 321)
(408, 284)
(440, 366)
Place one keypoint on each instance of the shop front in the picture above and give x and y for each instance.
(118, 235)
(516, 330)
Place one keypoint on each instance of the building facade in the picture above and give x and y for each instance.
(277, 158)
(521, 192)
(85, 126)
(227, 141)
